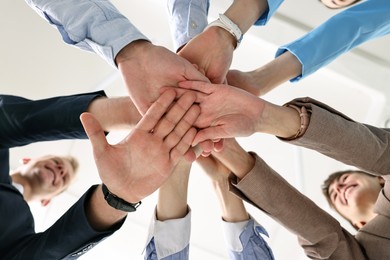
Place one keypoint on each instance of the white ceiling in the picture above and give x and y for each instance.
(35, 63)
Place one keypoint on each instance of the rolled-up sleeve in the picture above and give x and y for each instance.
(339, 34)
(92, 25)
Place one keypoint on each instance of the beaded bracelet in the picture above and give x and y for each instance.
(305, 120)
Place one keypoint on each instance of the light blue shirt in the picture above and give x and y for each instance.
(169, 240)
(341, 33)
(188, 18)
(92, 25)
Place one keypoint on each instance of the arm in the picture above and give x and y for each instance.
(214, 63)
(326, 130)
(224, 116)
(320, 234)
(335, 135)
(19, 117)
(169, 233)
(243, 235)
(360, 23)
(98, 26)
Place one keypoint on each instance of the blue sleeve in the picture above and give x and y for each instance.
(92, 25)
(273, 5)
(254, 247)
(68, 238)
(151, 254)
(341, 33)
(187, 18)
(25, 121)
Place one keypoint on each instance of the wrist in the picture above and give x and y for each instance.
(229, 27)
(117, 202)
(278, 120)
(131, 50)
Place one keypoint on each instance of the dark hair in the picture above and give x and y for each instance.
(334, 8)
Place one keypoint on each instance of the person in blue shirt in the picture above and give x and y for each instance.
(211, 46)
(170, 228)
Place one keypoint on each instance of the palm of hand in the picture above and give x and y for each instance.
(124, 170)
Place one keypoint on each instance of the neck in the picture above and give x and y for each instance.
(20, 179)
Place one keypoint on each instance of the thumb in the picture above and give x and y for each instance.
(95, 133)
(209, 133)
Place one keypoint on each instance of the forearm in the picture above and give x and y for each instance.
(117, 113)
(281, 69)
(232, 207)
(102, 216)
(95, 26)
(244, 13)
(323, 235)
(363, 22)
(339, 137)
(172, 195)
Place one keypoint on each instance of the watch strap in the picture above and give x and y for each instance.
(117, 202)
(224, 22)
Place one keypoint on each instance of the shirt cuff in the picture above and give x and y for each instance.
(170, 236)
(187, 19)
(272, 7)
(237, 233)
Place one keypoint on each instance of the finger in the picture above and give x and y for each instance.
(200, 86)
(174, 115)
(95, 133)
(192, 73)
(181, 91)
(210, 133)
(183, 148)
(207, 146)
(156, 111)
(218, 146)
(174, 137)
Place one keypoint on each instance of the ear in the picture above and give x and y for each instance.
(45, 202)
(24, 160)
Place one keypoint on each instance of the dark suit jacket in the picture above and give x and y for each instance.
(321, 236)
(23, 121)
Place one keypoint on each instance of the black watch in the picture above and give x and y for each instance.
(118, 203)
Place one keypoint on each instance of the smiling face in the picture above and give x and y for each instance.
(49, 175)
(337, 4)
(353, 195)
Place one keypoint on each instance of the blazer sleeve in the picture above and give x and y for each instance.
(69, 238)
(339, 137)
(320, 235)
(25, 121)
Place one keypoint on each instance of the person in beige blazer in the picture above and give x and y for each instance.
(314, 125)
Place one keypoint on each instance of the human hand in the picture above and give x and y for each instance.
(145, 68)
(212, 52)
(139, 164)
(226, 111)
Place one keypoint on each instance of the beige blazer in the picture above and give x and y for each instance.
(320, 235)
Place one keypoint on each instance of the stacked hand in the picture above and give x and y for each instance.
(139, 164)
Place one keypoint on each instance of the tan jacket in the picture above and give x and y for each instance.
(321, 236)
